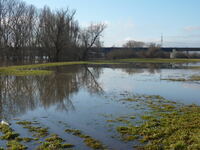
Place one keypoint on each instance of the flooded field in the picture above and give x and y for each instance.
(94, 106)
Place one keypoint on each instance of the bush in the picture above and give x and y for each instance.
(181, 55)
(120, 54)
(153, 52)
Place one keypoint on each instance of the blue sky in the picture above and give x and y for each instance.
(143, 20)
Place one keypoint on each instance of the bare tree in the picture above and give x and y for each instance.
(90, 38)
(155, 51)
(58, 31)
(134, 44)
(26, 32)
(16, 26)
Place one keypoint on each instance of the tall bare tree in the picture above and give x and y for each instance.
(90, 38)
(16, 26)
(58, 31)
(27, 32)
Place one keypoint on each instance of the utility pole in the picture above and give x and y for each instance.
(161, 40)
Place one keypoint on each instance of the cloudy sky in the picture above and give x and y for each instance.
(143, 20)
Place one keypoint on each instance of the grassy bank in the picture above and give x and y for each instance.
(23, 70)
(35, 69)
(158, 60)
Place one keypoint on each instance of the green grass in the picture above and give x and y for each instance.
(15, 145)
(191, 78)
(175, 79)
(195, 78)
(14, 141)
(27, 70)
(158, 60)
(54, 142)
(89, 141)
(16, 72)
(194, 67)
(166, 125)
(59, 64)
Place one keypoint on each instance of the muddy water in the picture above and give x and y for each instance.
(85, 97)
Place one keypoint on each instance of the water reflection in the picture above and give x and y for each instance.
(21, 94)
(151, 68)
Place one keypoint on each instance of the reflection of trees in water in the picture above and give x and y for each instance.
(148, 67)
(16, 93)
(89, 77)
(20, 94)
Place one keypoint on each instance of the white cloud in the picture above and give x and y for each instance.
(192, 28)
(119, 32)
(116, 32)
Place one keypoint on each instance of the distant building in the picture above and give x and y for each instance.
(173, 53)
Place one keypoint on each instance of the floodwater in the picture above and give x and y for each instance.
(84, 97)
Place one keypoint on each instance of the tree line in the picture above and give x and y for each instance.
(28, 33)
(153, 51)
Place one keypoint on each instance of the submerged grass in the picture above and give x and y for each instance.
(38, 131)
(168, 125)
(89, 141)
(175, 79)
(15, 145)
(191, 78)
(195, 78)
(54, 142)
(12, 137)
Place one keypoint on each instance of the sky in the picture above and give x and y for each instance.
(141, 20)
